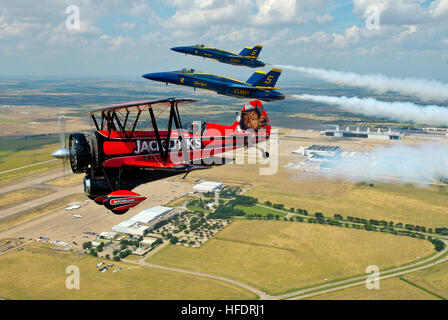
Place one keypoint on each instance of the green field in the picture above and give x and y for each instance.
(16, 153)
(260, 210)
(279, 256)
(392, 202)
(39, 273)
(390, 289)
(407, 204)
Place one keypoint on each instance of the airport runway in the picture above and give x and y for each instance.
(38, 182)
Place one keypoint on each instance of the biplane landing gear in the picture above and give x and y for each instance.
(121, 201)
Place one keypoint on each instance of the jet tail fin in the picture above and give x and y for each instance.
(258, 75)
(251, 52)
(260, 79)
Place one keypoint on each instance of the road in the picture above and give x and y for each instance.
(318, 289)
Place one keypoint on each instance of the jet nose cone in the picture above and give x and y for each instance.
(156, 76)
(180, 49)
(167, 77)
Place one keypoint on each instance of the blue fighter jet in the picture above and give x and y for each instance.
(259, 86)
(247, 57)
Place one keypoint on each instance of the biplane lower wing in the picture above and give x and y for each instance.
(164, 166)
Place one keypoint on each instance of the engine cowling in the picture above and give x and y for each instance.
(79, 152)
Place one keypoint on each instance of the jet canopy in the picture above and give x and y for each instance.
(186, 70)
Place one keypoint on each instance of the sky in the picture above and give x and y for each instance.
(402, 38)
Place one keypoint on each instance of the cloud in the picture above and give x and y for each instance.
(115, 43)
(404, 12)
(205, 14)
(272, 12)
(127, 25)
(324, 19)
(350, 36)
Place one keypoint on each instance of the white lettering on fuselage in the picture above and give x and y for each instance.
(151, 146)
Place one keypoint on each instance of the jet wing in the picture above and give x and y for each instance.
(249, 87)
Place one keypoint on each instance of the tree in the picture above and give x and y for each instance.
(116, 258)
(319, 215)
(174, 240)
(87, 245)
(93, 252)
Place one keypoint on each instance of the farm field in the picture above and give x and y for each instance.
(39, 273)
(424, 206)
(260, 210)
(69, 180)
(390, 289)
(434, 279)
(279, 256)
(16, 153)
(12, 198)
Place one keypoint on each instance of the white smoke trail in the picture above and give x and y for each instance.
(399, 111)
(426, 90)
(418, 165)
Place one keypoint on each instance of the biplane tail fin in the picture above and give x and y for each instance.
(251, 52)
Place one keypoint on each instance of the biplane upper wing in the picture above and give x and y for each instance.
(143, 105)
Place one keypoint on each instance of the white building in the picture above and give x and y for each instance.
(150, 214)
(137, 225)
(108, 235)
(208, 186)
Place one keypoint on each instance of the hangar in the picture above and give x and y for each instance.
(142, 222)
(208, 186)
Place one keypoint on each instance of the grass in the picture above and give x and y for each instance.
(70, 180)
(12, 198)
(421, 288)
(180, 201)
(434, 279)
(279, 256)
(260, 210)
(39, 273)
(396, 203)
(37, 212)
(196, 208)
(391, 202)
(390, 289)
(16, 153)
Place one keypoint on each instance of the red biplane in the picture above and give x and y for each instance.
(127, 150)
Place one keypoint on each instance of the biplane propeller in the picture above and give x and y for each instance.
(125, 150)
